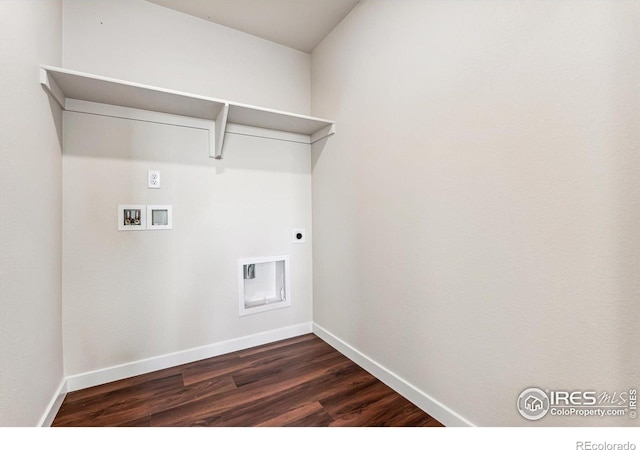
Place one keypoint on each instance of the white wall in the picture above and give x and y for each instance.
(139, 41)
(30, 213)
(134, 295)
(476, 217)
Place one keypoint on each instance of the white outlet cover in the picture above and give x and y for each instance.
(294, 236)
(154, 179)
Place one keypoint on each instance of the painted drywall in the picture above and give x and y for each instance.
(139, 41)
(476, 217)
(131, 295)
(30, 213)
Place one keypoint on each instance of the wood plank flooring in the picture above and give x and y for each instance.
(295, 382)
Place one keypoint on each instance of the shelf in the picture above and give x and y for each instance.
(78, 91)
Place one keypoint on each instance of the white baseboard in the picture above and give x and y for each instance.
(54, 405)
(431, 406)
(114, 373)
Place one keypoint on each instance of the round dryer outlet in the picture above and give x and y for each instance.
(299, 235)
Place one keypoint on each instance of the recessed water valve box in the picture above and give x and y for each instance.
(132, 217)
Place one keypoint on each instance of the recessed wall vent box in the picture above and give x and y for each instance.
(159, 217)
(132, 217)
(263, 284)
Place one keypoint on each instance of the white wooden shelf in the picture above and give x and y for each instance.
(83, 92)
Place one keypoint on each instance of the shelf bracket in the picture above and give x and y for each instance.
(221, 125)
(51, 87)
(324, 133)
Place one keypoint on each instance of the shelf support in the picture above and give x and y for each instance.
(51, 87)
(324, 133)
(221, 126)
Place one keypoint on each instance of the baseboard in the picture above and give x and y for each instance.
(114, 373)
(431, 406)
(54, 405)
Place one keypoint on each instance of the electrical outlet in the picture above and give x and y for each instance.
(299, 236)
(154, 179)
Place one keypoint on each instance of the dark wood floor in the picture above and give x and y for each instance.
(296, 382)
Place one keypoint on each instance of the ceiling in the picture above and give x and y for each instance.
(299, 24)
